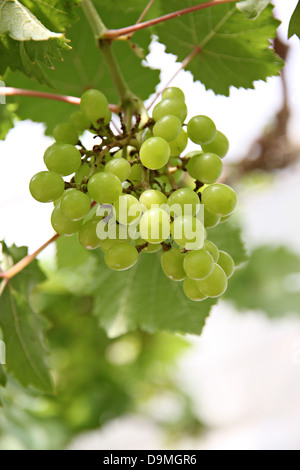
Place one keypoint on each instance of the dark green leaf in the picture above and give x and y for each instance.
(269, 282)
(7, 116)
(294, 27)
(22, 328)
(228, 237)
(234, 51)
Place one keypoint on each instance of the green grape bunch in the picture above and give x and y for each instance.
(137, 191)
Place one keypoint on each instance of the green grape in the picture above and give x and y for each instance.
(155, 226)
(173, 92)
(62, 224)
(212, 249)
(119, 235)
(46, 186)
(210, 220)
(75, 204)
(201, 130)
(119, 167)
(192, 291)
(136, 173)
(121, 256)
(190, 166)
(184, 201)
(168, 127)
(198, 264)
(174, 106)
(107, 117)
(175, 162)
(87, 234)
(94, 105)
(188, 232)
(79, 120)
(215, 284)
(219, 145)
(172, 264)
(225, 219)
(207, 168)
(152, 197)
(82, 173)
(63, 159)
(219, 199)
(105, 188)
(128, 209)
(178, 145)
(151, 248)
(155, 153)
(65, 133)
(226, 263)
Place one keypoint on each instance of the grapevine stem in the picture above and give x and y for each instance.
(10, 91)
(14, 270)
(185, 62)
(129, 30)
(93, 18)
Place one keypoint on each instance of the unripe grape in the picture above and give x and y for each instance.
(173, 92)
(212, 249)
(94, 105)
(215, 284)
(136, 173)
(168, 127)
(128, 209)
(62, 224)
(226, 263)
(119, 235)
(192, 162)
(207, 168)
(80, 121)
(152, 197)
(174, 106)
(178, 145)
(188, 232)
(121, 256)
(201, 130)
(104, 188)
(82, 173)
(184, 201)
(87, 235)
(63, 159)
(192, 291)
(219, 199)
(75, 204)
(155, 226)
(65, 133)
(172, 264)
(46, 186)
(119, 167)
(198, 264)
(155, 153)
(219, 145)
(210, 220)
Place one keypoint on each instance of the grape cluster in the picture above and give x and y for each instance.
(135, 191)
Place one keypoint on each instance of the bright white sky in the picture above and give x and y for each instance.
(241, 117)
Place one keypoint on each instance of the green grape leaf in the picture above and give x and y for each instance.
(84, 67)
(25, 43)
(269, 282)
(3, 378)
(141, 298)
(7, 116)
(228, 238)
(233, 51)
(294, 26)
(253, 8)
(22, 328)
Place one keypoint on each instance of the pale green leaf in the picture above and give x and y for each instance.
(253, 8)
